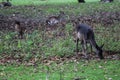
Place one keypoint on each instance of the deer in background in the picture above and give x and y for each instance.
(19, 29)
(53, 20)
(86, 35)
(5, 4)
(107, 1)
(81, 1)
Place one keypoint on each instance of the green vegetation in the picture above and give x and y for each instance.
(93, 70)
(44, 2)
(21, 59)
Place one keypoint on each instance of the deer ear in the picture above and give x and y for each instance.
(102, 46)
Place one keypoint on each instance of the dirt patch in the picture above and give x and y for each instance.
(7, 22)
(108, 55)
(105, 18)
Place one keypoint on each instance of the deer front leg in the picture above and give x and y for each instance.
(84, 48)
(91, 48)
(21, 34)
(77, 41)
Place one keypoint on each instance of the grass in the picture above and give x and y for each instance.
(42, 44)
(38, 43)
(45, 10)
(93, 70)
(42, 2)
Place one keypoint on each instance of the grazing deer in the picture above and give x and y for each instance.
(107, 1)
(86, 35)
(53, 20)
(20, 30)
(5, 4)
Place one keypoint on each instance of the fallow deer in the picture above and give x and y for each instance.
(107, 1)
(53, 20)
(5, 4)
(19, 29)
(86, 35)
(81, 1)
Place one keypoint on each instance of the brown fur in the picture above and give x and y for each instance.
(20, 30)
(53, 20)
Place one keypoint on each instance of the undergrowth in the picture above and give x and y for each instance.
(26, 55)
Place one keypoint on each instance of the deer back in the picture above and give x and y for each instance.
(17, 27)
(53, 20)
(84, 32)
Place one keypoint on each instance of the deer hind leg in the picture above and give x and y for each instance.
(20, 35)
(90, 47)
